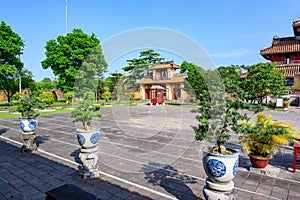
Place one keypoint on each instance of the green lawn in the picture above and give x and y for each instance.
(16, 115)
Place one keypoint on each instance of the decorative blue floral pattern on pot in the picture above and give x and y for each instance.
(80, 139)
(235, 167)
(94, 138)
(22, 125)
(32, 124)
(216, 168)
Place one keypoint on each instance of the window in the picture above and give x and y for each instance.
(164, 74)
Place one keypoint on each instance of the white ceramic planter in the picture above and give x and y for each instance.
(220, 168)
(28, 125)
(88, 139)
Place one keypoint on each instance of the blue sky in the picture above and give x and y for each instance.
(231, 32)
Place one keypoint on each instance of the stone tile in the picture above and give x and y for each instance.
(13, 195)
(259, 197)
(279, 195)
(123, 194)
(38, 196)
(6, 188)
(263, 190)
(294, 193)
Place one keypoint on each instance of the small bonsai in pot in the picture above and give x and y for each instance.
(263, 138)
(87, 136)
(27, 106)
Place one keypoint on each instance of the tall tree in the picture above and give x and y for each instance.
(195, 83)
(112, 80)
(11, 47)
(69, 56)
(139, 67)
(232, 81)
(263, 80)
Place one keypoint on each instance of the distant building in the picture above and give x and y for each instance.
(286, 52)
(164, 76)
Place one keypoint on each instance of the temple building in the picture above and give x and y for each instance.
(165, 78)
(286, 52)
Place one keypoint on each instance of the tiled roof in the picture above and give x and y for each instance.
(289, 70)
(282, 45)
(165, 66)
(174, 79)
(145, 81)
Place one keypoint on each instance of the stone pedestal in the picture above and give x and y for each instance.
(89, 159)
(220, 191)
(29, 144)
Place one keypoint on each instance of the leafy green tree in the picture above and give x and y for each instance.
(107, 96)
(112, 80)
(11, 47)
(75, 56)
(263, 80)
(230, 77)
(139, 67)
(218, 114)
(195, 83)
(69, 97)
(101, 88)
(47, 84)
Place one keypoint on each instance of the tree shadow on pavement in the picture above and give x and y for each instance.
(75, 155)
(41, 139)
(170, 179)
(30, 176)
(3, 130)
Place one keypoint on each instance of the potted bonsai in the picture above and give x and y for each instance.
(27, 106)
(87, 136)
(217, 121)
(218, 118)
(263, 138)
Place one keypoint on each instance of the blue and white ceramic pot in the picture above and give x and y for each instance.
(88, 138)
(220, 167)
(28, 125)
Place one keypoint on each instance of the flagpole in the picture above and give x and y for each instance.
(66, 16)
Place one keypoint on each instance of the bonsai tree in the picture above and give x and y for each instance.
(84, 112)
(264, 137)
(219, 102)
(27, 104)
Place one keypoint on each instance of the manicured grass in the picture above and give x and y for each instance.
(17, 115)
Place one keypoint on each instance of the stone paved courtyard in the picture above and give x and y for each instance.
(144, 153)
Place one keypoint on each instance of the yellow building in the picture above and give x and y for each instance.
(164, 74)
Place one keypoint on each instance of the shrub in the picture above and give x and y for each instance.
(47, 98)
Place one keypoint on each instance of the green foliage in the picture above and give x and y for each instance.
(70, 56)
(11, 67)
(107, 96)
(264, 137)
(112, 81)
(139, 67)
(132, 96)
(84, 112)
(263, 80)
(27, 104)
(69, 97)
(218, 104)
(47, 98)
(16, 96)
(45, 84)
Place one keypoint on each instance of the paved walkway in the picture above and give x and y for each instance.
(145, 153)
